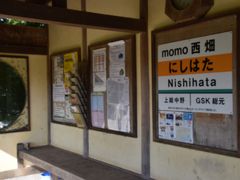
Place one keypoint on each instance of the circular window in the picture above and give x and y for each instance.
(181, 4)
(12, 95)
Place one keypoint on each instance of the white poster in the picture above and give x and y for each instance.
(118, 110)
(58, 75)
(59, 109)
(99, 70)
(58, 93)
(117, 59)
(183, 125)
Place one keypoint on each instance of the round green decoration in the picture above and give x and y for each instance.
(12, 95)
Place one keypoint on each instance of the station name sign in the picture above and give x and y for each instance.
(195, 74)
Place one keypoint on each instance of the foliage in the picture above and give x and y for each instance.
(15, 22)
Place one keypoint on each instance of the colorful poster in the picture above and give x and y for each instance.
(71, 62)
(70, 69)
(177, 126)
(196, 74)
(166, 125)
(99, 70)
(117, 59)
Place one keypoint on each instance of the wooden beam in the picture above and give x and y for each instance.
(24, 49)
(45, 14)
(37, 1)
(143, 13)
(59, 3)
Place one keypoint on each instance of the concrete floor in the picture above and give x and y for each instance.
(31, 177)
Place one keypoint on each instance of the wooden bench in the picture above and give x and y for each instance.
(71, 166)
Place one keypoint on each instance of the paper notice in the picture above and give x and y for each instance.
(71, 63)
(68, 113)
(58, 77)
(58, 93)
(184, 127)
(117, 59)
(59, 109)
(99, 70)
(166, 125)
(118, 113)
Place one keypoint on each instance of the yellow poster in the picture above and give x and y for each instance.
(68, 63)
(70, 68)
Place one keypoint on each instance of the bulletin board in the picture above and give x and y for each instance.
(113, 86)
(69, 96)
(195, 100)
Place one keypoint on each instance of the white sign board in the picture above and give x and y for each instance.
(195, 75)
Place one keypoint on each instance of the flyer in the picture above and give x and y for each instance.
(70, 63)
(117, 59)
(58, 93)
(184, 127)
(99, 70)
(58, 77)
(68, 113)
(59, 109)
(97, 110)
(166, 125)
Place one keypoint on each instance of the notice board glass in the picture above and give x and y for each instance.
(195, 85)
(113, 86)
(69, 97)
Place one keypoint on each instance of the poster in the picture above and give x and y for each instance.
(59, 109)
(71, 62)
(70, 69)
(58, 92)
(99, 70)
(118, 110)
(58, 77)
(117, 59)
(195, 75)
(97, 110)
(176, 126)
(166, 125)
(184, 127)
(65, 66)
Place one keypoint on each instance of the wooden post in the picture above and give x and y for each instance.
(145, 116)
(85, 58)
